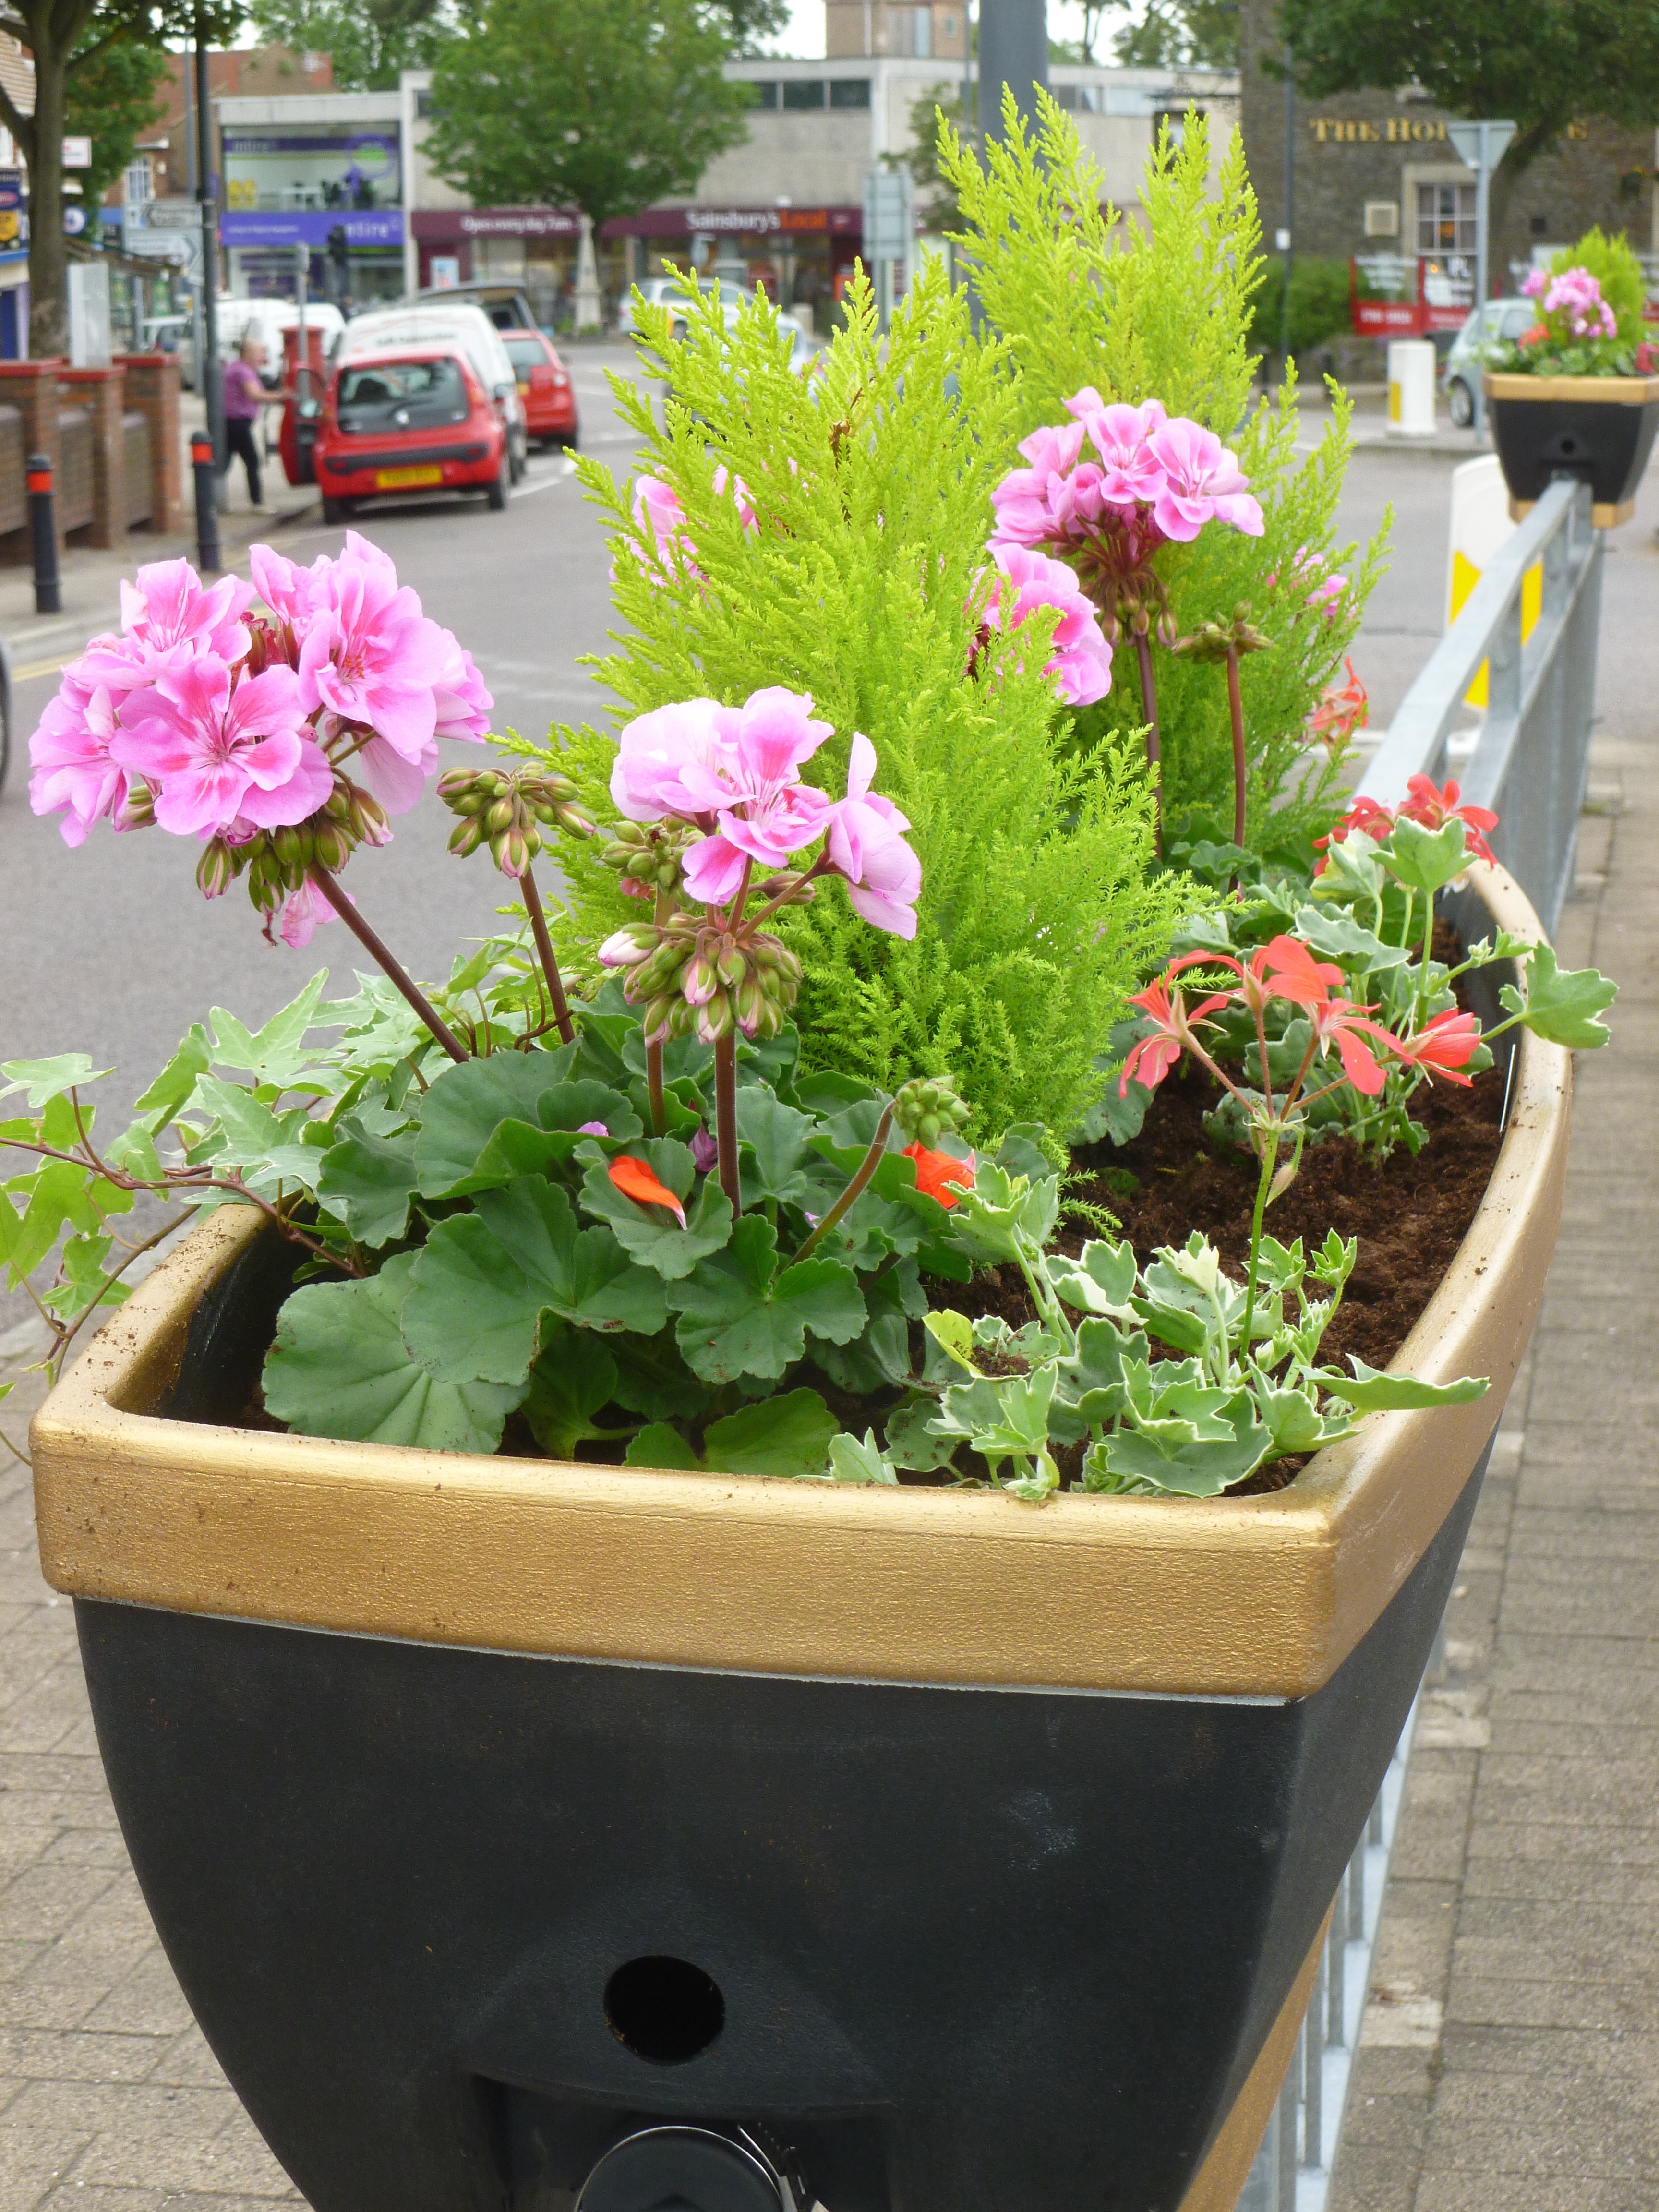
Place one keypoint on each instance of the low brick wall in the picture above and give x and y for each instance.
(138, 467)
(14, 499)
(112, 436)
(74, 469)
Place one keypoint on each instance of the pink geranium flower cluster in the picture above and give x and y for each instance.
(1576, 295)
(217, 724)
(1146, 478)
(659, 516)
(733, 774)
(1081, 663)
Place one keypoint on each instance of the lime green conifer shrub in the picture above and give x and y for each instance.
(1162, 309)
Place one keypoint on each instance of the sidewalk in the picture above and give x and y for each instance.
(1509, 2061)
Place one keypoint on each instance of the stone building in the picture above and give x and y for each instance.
(1376, 176)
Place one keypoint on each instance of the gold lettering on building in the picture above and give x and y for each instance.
(1397, 131)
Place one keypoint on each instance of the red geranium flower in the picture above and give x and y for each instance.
(1344, 708)
(1151, 1057)
(1428, 804)
(937, 1171)
(1448, 1042)
(634, 1178)
(1344, 1024)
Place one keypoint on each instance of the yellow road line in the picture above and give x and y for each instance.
(45, 667)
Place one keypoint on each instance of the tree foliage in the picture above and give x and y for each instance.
(603, 105)
(1163, 310)
(114, 100)
(370, 42)
(1181, 33)
(1544, 65)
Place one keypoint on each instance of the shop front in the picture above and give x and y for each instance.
(801, 256)
(324, 175)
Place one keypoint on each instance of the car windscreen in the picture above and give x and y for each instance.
(401, 395)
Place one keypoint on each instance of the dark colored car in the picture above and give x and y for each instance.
(408, 421)
(545, 386)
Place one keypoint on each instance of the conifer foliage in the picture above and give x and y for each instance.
(830, 536)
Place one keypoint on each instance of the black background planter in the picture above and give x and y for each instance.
(1603, 441)
(970, 1950)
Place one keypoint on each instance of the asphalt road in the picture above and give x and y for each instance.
(111, 950)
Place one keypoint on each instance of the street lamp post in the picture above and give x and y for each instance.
(1013, 50)
(1480, 147)
(213, 393)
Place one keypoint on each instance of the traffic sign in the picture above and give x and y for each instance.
(1480, 145)
(889, 215)
(168, 214)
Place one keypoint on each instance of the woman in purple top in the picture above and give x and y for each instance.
(245, 396)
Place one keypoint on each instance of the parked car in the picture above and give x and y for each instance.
(505, 304)
(411, 418)
(163, 333)
(1499, 320)
(544, 388)
(668, 291)
(266, 319)
(452, 325)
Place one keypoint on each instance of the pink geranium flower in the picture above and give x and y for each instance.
(369, 656)
(1202, 483)
(867, 846)
(71, 754)
(460, 700)
(1025, 500)
(304, 913)
(1132, 474)
(653, 749)
(212, 750)
(1082, 661)
(761, 811)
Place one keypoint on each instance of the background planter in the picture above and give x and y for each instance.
(972, 1853)
(1598, 428)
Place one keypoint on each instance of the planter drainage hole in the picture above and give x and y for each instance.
(664, 2010)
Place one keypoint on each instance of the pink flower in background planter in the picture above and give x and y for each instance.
(1202, 483)
(1082, 661)
(1533, 283)
(212, 751)
(867, 846)
(1577, 295)
(74, 771)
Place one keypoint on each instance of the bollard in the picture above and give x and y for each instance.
(207, 509)
(48, 594)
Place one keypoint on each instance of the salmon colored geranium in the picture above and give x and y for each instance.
(634, 1178)
(937, 1171)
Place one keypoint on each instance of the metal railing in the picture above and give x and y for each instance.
(1292, 2169)
(1531, 757)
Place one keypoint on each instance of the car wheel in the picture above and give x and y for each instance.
(1460, 404)
(496, 493)
(336, 510)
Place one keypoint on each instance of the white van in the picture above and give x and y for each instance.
(428, 323)
(235, 317)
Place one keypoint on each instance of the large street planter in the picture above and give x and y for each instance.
(1598, 428)
(966, 1857)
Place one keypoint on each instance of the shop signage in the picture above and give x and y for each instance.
(1393, 131)
(311, 226)
(449, 226)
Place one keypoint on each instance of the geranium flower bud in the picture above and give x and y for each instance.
(465, 837)
(699, 983)
(138, 810)
(513, 852)
(714, 1020)
(625, 948)
(750, 1002)
(730, 966)
(500, 817)
(455, 784)
(333, 848)
(659, 1018)
(216, 868)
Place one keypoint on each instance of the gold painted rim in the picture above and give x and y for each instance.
(1605, 513)
(1227, 1597)
(1604, 390)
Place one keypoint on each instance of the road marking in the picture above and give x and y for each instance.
(559, 476)
(44, 667)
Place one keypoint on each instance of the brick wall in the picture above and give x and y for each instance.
(30, 386)
(74, 485)
(99, 391)
(152, 391)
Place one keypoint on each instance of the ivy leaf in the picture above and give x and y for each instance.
(467, 1103)
(369, 1181)
(773, 1159)
(339, 1368)
(1425, 860)
(572, 1379)
(1371, 1391)
(59, 1194)
(485, 1280)
(852, 1459)
(1561, 1005)
(175, 1086)
(1100, 1281)
(736, 1320)
(267, 1147)
(42, 1079)
(651, 1234)
(1340, 938)
(1201, 1468)
(134, 1153)
(276, 1054)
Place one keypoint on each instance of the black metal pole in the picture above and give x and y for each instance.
(43, 527)
(207, 507)
(1290, 205)
(1013, 50)
(212, 390)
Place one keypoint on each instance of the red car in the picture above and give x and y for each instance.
(415, 420)
(545, 386)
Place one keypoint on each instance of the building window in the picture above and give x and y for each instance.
(139, 188)
(849, 92)
(765, 90)
(423, 106)
(1445, 219)
(803, 92)
(923, 20)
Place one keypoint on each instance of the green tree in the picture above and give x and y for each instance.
(750, 20)
(1543, 66)
(936, 198)
(66, 38)
(370, 41)
(602, 104)
(1181, 33)
(114, 100)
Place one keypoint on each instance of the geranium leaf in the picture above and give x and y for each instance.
(659, 1445)
(790, 1435)
(1426, 859)
(1561, 1003)
(574, 1377)
(339, 1368)
(485, 1280)
(1340, 937)
(369, 1181)
(736, 1320)
(465, 1106)
(773, 1159)
(651, 1234)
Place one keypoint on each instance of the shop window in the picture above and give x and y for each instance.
(139, 188)
(849, 92)
(803, 92)
(1445, 219)
(765, 90)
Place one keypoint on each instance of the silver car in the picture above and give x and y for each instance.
(669, 292)
(1500, 320)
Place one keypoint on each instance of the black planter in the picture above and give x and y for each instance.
(453, 1921)
(1598, 428)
